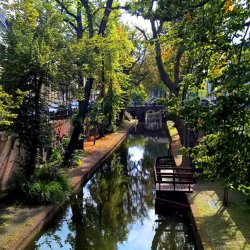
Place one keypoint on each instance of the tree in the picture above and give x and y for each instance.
(117, 55)
(224, 151)
(91, 18)
(172, 51)
(207, 41)
(33, 47)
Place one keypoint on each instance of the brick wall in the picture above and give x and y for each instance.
(10, 157)
(11, 154)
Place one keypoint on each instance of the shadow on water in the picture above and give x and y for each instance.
(116, 208)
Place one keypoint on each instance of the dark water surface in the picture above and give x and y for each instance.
(116, 208)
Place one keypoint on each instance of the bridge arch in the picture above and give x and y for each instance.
(139, 111)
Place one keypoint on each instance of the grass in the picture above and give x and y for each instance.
(171, 128)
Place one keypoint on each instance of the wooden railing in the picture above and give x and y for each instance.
(168, 177)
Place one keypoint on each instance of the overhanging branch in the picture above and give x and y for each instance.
(163, 74)
(66, 9)
(70, 23)
(143, 32)
(177, 65)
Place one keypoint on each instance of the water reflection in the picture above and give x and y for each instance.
(115, 209)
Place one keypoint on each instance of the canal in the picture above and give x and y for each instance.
(116, 208)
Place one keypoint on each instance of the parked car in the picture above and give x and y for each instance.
(74, 105)
(207, 102)
(58, 111)
(52, 108)
(62, 110)
(152, 101)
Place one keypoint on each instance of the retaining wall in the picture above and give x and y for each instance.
(12, 154)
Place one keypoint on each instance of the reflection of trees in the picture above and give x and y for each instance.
(120, 193)
(172, 234)
(153, 148)
(140, 186)
(51, 236)
(140, 174)
(102, 220)
(133, 140)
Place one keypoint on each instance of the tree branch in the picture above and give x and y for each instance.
(70, 23)
(143, 32)
(66, 9)
(151, 6)
(120, 8)
(139, 59)
(85, 4)
(177, 65)
(104, 21)
(163, 74)
(159, 30)
(243, 43)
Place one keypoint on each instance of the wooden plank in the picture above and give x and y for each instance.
(174, 168)
(175, 174)
(168, 177)
(169, 181)
(176, 187)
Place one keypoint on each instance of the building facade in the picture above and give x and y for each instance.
(3, 23)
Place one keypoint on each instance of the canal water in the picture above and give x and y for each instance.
(116, 208)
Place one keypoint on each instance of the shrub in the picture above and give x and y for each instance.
(77, 157)
(47, 185)
(56, 158)
(65, 142)
(46, 192)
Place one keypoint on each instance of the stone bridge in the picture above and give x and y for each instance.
(139, 111)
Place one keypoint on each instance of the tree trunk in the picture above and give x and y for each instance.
(187, 138)
(83, 110)
(34, 135)
(83, 105)
(172, 86)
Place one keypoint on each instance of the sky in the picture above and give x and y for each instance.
(133, 21)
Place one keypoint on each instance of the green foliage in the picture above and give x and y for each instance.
(44, 193)
(8, 107)
(75, 118)
(35, 45)
(65, 142)
(33, 41)
(113, 104)
(77, 157)
(212, 42)
(95, 115)
(56, 158)
(47, 185)
(138, 94)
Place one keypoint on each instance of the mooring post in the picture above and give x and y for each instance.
(225, 196)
